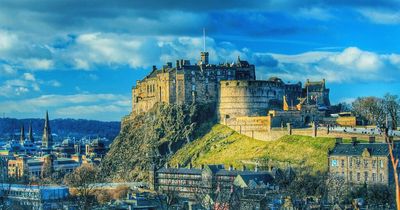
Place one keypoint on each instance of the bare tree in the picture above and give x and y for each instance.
(83, 180)
(370, 109)
(337, 188)
(392, 108)
(395, 162)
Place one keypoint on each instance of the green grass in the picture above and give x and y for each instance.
(222, 145)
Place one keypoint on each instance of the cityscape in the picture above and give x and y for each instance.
(224, 105)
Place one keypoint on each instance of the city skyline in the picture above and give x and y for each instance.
(80, 59)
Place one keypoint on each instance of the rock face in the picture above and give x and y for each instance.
(153, 137)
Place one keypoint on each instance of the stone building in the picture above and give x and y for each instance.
(360, 163)
(190, 182)
(22, 166)
(187, 83)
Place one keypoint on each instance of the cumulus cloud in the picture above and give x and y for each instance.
(350, 65)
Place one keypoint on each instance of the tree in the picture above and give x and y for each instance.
(337, 188)
(392, 108)
(83, 180)
(370, 109)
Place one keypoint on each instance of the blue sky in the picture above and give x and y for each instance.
(79, 59)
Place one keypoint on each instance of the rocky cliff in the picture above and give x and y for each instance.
(154, 136)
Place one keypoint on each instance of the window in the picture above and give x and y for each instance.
(351, 176)
(365, 163)
(193, 87)
(381, 163)
(366, 176)
(373, 177)
(342, 163)
(358, 162)
(334, 163)
(381, 177)
(373, 163)
(351, 162)
(358, 176)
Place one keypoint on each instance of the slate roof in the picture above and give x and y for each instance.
(218, 170)
(375, 149)
(257, 177)
(192, 171)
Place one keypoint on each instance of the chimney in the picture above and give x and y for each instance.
(339, 140)
(244, 168)
(230, 168)
(169, 64)
(154, 68)
(354, 140)
(177, 64)
(371, 139)
(256, 168)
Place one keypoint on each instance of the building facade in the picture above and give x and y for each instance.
(191, 182)
(33, 167)
(360, 163)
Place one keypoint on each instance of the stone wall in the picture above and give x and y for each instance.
(249, 98)
(254, 127)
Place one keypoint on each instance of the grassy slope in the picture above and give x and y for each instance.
(224, 146)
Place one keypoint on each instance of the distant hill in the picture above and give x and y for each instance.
(61, 127)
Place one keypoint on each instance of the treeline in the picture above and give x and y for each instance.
(61, 127)
(375, 110)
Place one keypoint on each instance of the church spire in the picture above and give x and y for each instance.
(30, 133)
(47, 140)
(22, 135)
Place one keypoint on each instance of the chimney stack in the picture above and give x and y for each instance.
(154, 68)
(244, 168)
(371, 139)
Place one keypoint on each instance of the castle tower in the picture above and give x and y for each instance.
(22, 136)
(30, 133)
(47, 139)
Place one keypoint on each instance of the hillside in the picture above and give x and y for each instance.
(223, 145)
(154, 136)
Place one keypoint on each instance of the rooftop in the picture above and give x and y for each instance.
(357, 149)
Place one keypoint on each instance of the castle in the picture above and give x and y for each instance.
(240, 98)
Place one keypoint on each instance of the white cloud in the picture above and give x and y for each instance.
(381, 17)
(29, 77)
(7, 40)
(355, 58)
(350, 65)
(38, 64)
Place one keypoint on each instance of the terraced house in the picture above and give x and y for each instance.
(360, 163)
